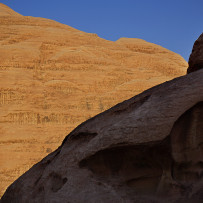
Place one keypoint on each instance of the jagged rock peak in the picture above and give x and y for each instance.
(196, 57)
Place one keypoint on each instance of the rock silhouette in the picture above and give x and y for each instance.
(196, 57)
(53, 77)
(145, 149)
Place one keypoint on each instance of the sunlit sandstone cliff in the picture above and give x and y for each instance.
(147, 149)
(53, 77)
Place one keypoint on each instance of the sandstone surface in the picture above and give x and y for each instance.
(146, 149)
(196, 57)
(53, 77)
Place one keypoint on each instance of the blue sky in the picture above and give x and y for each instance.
(173, 24)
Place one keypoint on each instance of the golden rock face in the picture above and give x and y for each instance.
(53, 77)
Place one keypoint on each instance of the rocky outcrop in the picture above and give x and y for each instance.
(53, 77)
(196, 57)
(146, 149)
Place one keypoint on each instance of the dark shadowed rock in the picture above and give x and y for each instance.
(146, 149)
(196, 57)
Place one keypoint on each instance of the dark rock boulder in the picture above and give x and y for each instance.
(146, 149)
(196, 57)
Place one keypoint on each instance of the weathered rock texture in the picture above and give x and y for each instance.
(53, 77)
(146, 149)
(196, 57)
